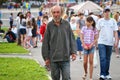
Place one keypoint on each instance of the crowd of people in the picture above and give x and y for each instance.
(90, 31)
(63, 35)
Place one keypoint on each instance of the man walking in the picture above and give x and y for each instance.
(58, 44)
(107, 28)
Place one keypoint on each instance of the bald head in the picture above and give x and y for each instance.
(56, 7)
(57, 12)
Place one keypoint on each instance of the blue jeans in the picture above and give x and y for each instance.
(9, 39)
(105, 52)
(62, 67)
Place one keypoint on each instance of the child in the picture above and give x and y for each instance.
(14, 29)
(11, 19)
(34, 32)
(43, 26)
(89, 38)
(28, 35)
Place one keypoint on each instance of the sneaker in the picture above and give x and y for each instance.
(81, 59)
(117, 56)
(84, 76)
(102, 77)
(108, 77)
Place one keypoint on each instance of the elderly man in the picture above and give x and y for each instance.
(58, 44)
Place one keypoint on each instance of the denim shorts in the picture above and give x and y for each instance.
(22, 31)
(89, 51)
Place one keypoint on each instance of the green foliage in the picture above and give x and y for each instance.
(2, 1)
(21, 69)
(11, 48)
(18, 1)
(4, 28)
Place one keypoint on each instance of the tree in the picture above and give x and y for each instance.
(40, 0)
(1, 2)
(17, 1)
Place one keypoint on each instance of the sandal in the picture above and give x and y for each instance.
(84, 76)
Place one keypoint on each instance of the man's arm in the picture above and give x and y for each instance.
(116, 38)
(73, 45)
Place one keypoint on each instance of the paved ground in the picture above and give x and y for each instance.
(76, 66)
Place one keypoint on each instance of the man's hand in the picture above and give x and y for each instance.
(73, 57)
(47, 62)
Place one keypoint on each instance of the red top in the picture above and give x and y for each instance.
(43, 29)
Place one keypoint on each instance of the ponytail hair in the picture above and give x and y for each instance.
(90, 19)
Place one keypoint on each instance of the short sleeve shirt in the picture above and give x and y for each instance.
(106, 28)
(88, 34)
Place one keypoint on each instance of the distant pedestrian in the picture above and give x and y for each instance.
(116, 17)
(34, 32)
(89, 36)
(58, 44)
(11, 19)
(28, 35)
(80, 24)
(22, 29)
(107, 28)
(10, 36)
(43, 26)
(14, 29)
(39, 22)
(1, 23)
(0, 14)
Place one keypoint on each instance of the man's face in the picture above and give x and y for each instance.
(107, 14)
(56, 12)
(28, 14)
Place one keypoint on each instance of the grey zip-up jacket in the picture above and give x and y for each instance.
(59, 42)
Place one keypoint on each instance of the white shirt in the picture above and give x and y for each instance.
(18, 22)
(14, 30)
(21, 26)
(73, 26)
(29, 32)
(107, 28)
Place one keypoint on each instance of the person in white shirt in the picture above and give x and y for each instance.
(28, 35)
(22, 29)
(14, 29)
(73, 23)
(107, 28)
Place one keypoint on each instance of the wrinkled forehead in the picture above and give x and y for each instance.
(56, 9)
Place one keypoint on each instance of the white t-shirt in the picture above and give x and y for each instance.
(21, 25)
(14, 30)
(73, 26)
(29, 31)
(107, 28)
